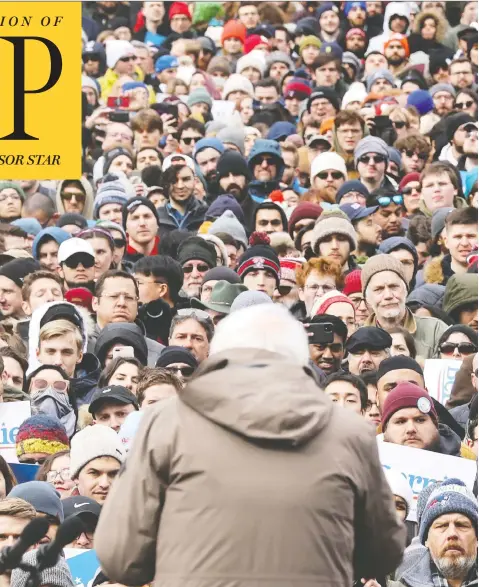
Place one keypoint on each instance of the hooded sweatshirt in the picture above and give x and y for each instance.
(124, 333)
(324, 525)
(260, 190)
(393, 8)
(88, 208)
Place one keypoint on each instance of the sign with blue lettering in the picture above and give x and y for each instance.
(83, 565)
(12, 414)
(422, 467)
(439, 376)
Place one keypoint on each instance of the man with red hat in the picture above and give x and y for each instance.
(396, 50)
(296, 91)
(180, 17)
(287, 291)
(409, 418)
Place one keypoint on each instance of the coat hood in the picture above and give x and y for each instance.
(460, 290)
(440, 21)
(260, 396)
(126, 333)
(88, 208)
(53, 232)
(395, 9)
(431, 294)
(450, 443)
(266, 147)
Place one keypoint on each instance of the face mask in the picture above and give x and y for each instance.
(56, 404)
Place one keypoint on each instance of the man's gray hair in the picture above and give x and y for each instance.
(197, 315)
(268, 327)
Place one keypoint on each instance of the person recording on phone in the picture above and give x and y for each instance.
(327, 337)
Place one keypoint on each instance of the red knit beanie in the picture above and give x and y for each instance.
(233, 29)
(407, 395)
(303, 211)
(179, 8)
(413, 176)
(323, 303)
(352, 282)
(253, 41)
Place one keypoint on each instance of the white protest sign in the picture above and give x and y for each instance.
(222, 110)
(423, 467)
(439, 376)
(12, 414)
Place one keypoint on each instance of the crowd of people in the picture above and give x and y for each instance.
(221, 320)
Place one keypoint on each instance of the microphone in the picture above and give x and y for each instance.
(48, 554)
(11, 556)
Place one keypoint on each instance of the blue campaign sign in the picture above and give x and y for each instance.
(24, 472)
(83, 565)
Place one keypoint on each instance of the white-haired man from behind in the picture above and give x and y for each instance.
(251, 453)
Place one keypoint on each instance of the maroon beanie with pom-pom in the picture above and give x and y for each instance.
(259, 256)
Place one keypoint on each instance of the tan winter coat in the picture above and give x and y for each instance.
(252, 478)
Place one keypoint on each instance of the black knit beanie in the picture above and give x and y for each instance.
(196, 248)
(131, 205)
(232, 162)
(398, 362)
(259, 256)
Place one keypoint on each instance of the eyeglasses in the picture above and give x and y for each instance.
(195, 313)
(464, 348)
(119, 242)
(42, 384)
(398, 124)
(370, 404)
(201, 267)
(189, 140)
(127, 58)
(385, 201)
(409, 191)
(464, 105)
(15, 197)
(410, 153)
(38, 461)
(80, 259)
(333, 174)
(64, 474)
(69, 196)
(376, 159)
(316, 287)
(357, 301)
(185, 371)
(114, 297)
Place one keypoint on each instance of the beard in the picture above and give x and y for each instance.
(328, 194)
(455, 567)
(237, 191)
(395, 61)
(89, 285)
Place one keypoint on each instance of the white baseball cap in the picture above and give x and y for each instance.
(73, 246)
(188, 161)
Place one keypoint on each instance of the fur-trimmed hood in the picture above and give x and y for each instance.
(441, 24)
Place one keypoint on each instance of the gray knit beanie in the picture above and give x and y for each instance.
(370, 145)
(380, 263)
(450, 497)
(331, 222)
(232, 135)
(247, 299)
(279, 57)
(380, 74)
(110, 192)
(229, 224)
(442, 88)
(57, 576)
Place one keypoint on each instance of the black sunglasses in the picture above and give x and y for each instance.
(333, 174)
(202, 268)
(408, 191)
(128, 58)
(464, 105)
(410, 153)
(189, 140)
(376, 158)
(465, 348)
(185, 371)
(399, 123)
(284, 290)
(80, 258)
(119, 242)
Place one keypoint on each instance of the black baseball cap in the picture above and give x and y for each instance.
(63, 311)
(117, 393)
(369, 337)
(81, 506)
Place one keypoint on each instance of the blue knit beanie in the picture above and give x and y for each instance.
(449, 497)
(421, 100)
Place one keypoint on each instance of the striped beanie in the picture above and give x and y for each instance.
(260, 255)
(41, 434)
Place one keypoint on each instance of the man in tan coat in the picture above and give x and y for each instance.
(252, 476)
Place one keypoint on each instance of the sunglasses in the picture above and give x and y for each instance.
(119, 242)
(79, 258)
(410, 153)
(38, 461)
(333, 174)
(284, 290)
(201, 267)
(464, 348)
(78, 197)
(464, 105)
(387, 200)
(399, 124)
(408, 191)
(189, 140)
(127, 58)
(376, 158)
(269, 160)
(41, 384)
(185, 371)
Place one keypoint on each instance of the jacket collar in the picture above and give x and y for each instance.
(409, 323)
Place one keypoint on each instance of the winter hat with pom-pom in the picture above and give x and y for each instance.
(260, 255)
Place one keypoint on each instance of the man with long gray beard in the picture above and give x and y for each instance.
(448, 531)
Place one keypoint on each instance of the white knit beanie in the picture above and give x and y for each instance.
(253, 59)
(116, 49)
(238, 83)
(92, 443)
(325, 161)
